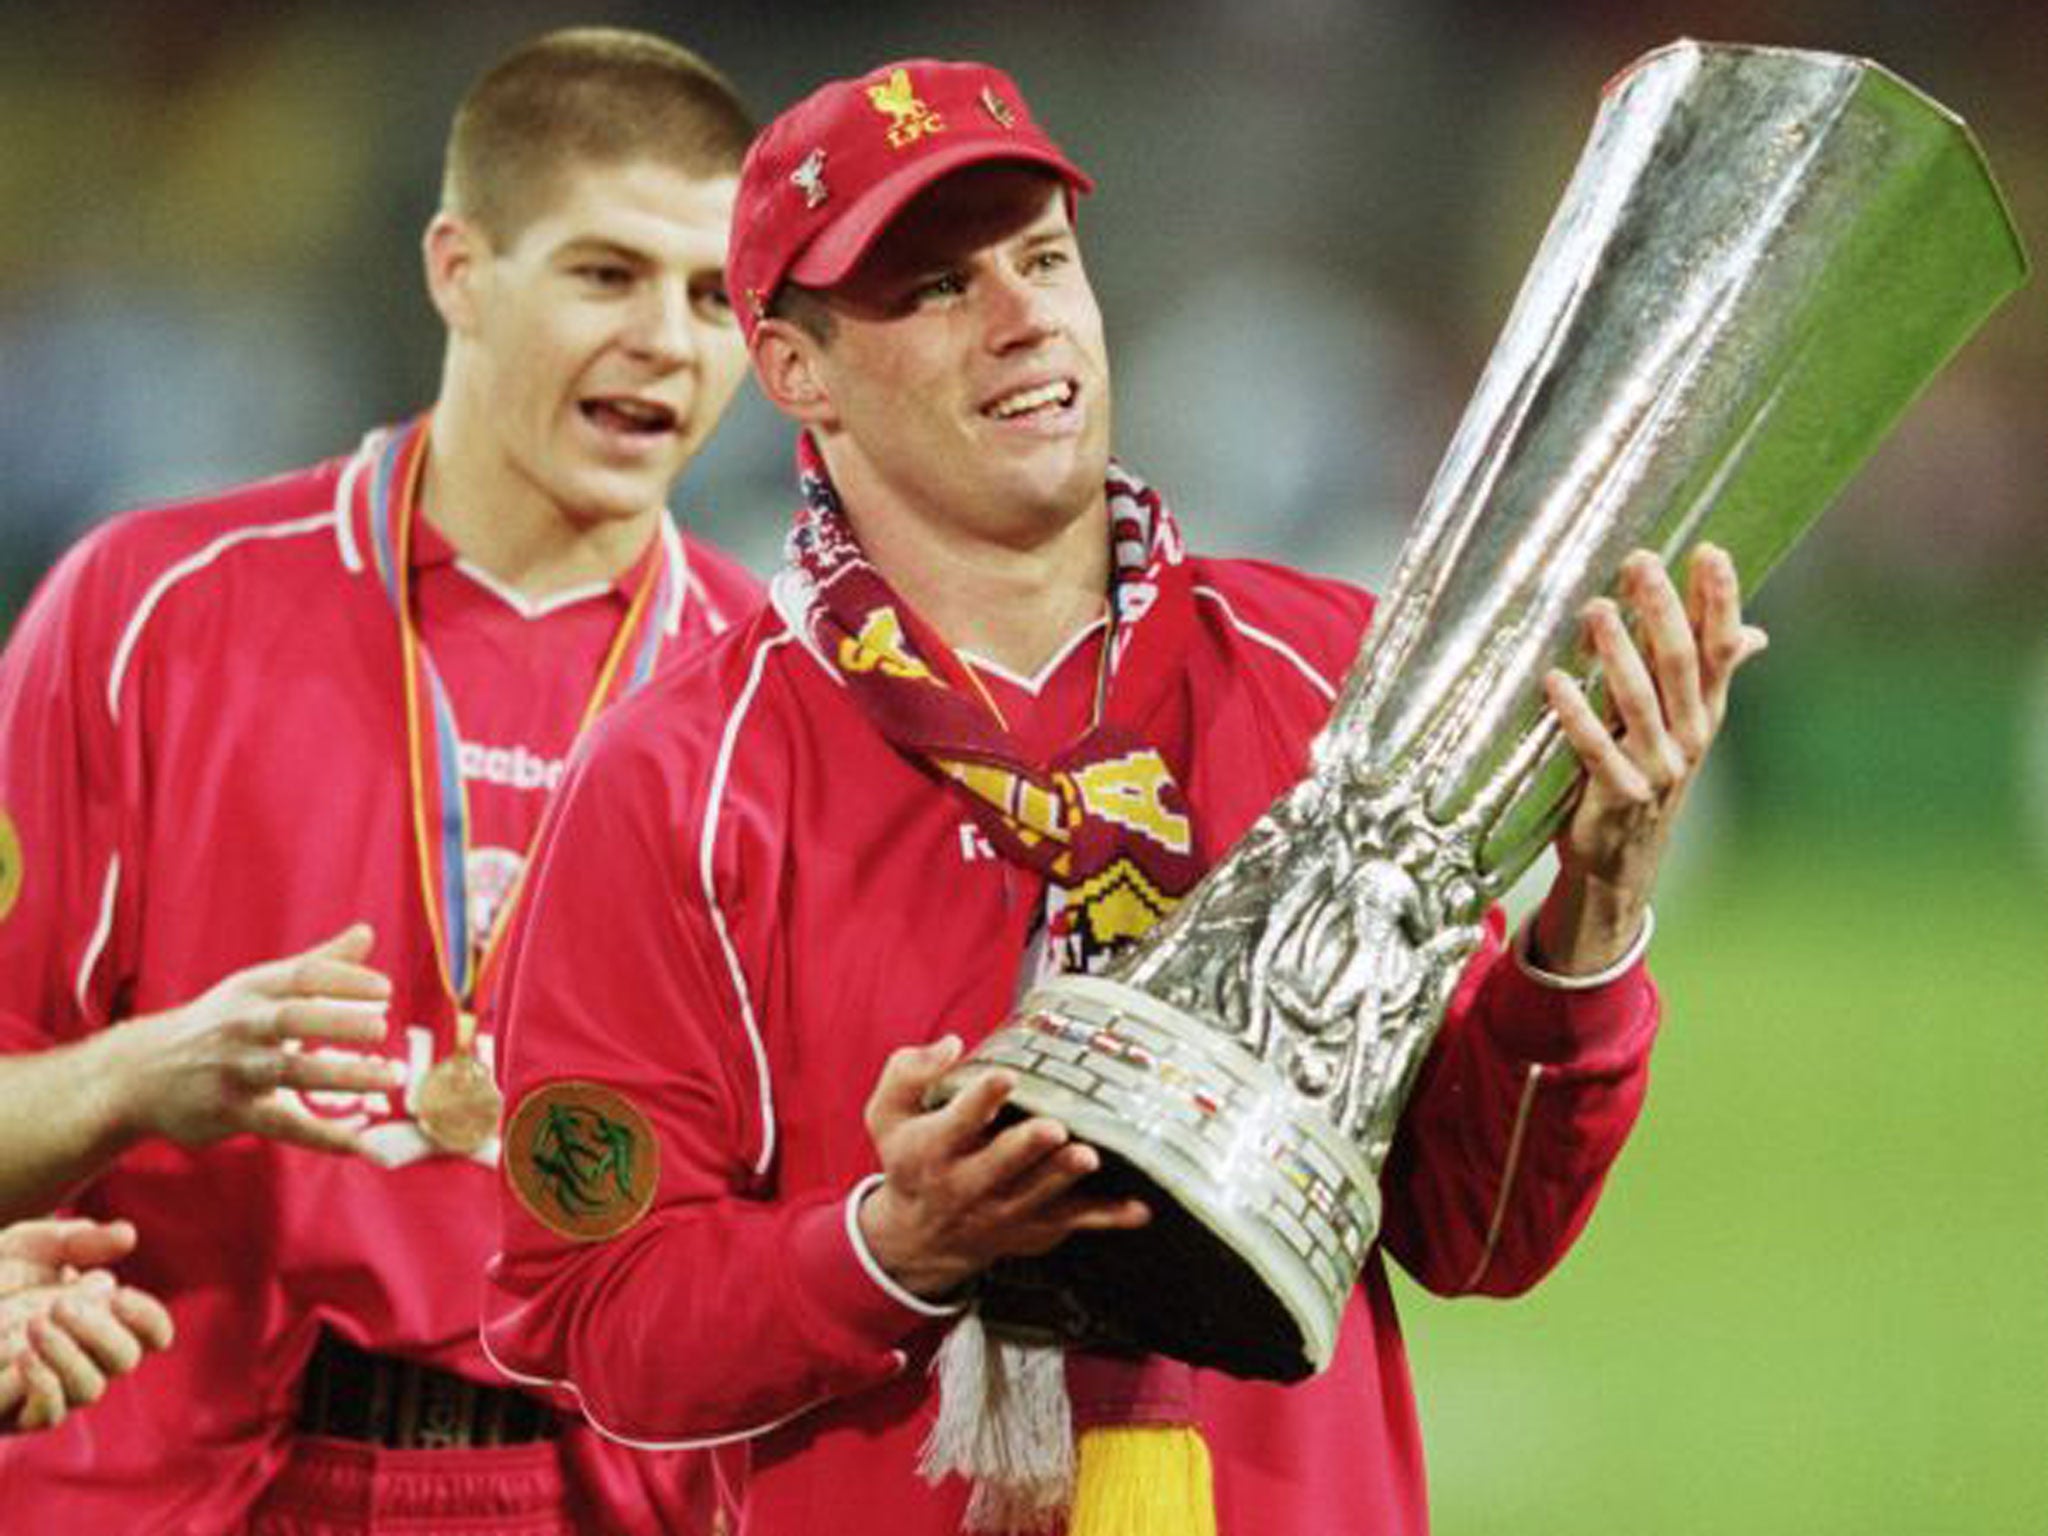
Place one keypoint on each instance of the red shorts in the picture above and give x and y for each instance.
(345, 1488)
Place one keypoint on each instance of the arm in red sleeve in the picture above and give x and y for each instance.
(66, 833)
(80, 762)
(1521, 1108)
(723, 1308)
(63, 795)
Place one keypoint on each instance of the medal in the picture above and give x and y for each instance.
(457, 1103)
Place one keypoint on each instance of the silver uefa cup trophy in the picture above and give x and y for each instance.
(1761, 258)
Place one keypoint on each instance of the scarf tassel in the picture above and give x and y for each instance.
(1143, 1480)
(1006, 1424)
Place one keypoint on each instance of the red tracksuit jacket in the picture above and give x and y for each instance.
(745, 899)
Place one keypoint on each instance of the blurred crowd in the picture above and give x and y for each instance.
(208, 217)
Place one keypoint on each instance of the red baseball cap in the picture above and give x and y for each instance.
(827, 176)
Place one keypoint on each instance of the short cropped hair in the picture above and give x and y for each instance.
(591, 96)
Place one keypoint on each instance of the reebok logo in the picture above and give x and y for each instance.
(511, 767)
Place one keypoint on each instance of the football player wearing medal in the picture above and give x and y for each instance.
(270, 762)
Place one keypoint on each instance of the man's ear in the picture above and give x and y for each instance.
(453, 249)
(789, 363)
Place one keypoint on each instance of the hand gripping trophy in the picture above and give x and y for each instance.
(1761, 258)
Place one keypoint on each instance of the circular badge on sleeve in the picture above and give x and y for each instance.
(582, 1159)
(10, 865)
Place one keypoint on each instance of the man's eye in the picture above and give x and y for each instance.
(1050, 260)
(713, 302)
(947, 285)
(604, 274)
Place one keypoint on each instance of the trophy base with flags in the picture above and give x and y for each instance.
(1268, 1212)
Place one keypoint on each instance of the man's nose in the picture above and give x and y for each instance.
(661, 329)
(1019, 311)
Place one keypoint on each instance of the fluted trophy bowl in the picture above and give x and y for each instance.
(1761, 258)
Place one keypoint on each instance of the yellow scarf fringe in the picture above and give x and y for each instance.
(1143, 1480)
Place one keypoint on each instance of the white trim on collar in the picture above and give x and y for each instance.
(531, 607)
(1035, 684)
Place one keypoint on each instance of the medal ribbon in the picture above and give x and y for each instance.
(440, 809)
(1104, 821)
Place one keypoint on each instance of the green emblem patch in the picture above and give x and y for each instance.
(582, 1159)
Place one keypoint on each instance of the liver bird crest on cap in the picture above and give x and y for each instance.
(909, 118)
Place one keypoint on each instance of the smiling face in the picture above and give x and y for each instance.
(590, 356)
(963, 387)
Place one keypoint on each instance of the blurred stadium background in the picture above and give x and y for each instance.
(1816, 1297)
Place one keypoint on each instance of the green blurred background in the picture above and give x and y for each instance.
(1816, 1296)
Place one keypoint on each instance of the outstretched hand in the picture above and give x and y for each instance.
(1667, 694)
(67, 1326)
(957, 1194)
(216, 1066)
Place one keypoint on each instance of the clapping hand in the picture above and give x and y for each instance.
(216, 1065)
(67, 1326)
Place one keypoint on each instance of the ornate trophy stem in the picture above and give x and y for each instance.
(1761, 258)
